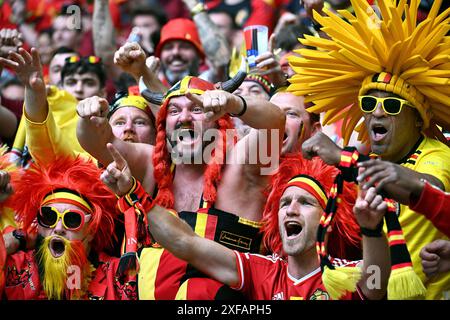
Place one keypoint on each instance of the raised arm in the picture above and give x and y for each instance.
(29, 71)
(131, 59)
(173, 233)
(104, 36)
(94, 132)
(369, 211)
(266, 119)
(213, 41)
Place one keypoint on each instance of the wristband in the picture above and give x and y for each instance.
(349, 157)
(244, 109)
(135, 198)
(373, 233)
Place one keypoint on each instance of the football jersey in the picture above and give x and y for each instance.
(267, 278)
(431, 157)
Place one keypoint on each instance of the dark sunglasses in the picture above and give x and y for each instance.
(390, 105)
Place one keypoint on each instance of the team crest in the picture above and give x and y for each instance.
(319, 295)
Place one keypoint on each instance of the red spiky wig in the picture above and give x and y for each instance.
(161, 158)
(346, 232)
(77, 175)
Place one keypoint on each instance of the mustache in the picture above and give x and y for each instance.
(131, 136)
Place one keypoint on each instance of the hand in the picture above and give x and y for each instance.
(117, 175)
(131, 59)
(322, 146)
(286, 18)
(311, 5)
(10, 40)
(369, 209)
(436, 257)
(379, 173)
(27, 67)
(268, 65)
(216, 103)
(5, 186)
(94, 109)
(153, 64)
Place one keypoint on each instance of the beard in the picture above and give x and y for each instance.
(56, 273)
(173, 77)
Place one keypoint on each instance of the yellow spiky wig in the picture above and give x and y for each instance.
(389, 53)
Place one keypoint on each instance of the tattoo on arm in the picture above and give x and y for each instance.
(214, 43)
(103, 31)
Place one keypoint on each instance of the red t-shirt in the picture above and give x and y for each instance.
(267, 278)
(23, 281)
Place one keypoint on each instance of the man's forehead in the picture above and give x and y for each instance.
(173, 42)
(83, 76)
(131, 111)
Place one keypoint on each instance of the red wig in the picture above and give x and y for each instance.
(346, 232)
(77, 175)
(161, 158)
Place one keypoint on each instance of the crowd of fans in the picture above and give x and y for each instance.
(138, 146)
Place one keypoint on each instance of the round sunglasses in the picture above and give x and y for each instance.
(72, 219)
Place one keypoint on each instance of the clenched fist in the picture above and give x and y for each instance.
(131, 59)
(94, 109)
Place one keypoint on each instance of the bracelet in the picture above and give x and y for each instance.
(198, 8)
(373, 233)
(244, 109)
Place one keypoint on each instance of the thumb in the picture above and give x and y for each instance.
(98, 121)
(272, 43)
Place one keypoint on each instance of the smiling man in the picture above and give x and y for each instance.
(400, 91)
(73, 214)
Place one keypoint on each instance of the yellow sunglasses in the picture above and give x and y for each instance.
(391, 105)
(72, 219)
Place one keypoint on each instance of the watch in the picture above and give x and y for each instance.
(20, 235)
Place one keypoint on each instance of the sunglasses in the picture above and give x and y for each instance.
(391, 105)
(72, 219)
(89, 59)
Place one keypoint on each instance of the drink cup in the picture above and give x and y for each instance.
(256, 42)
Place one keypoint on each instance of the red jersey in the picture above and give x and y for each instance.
(267, 278)
(23, 282)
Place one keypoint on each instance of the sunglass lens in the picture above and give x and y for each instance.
(72, 220)
(368, 104)
(47, 217)
(392, 105)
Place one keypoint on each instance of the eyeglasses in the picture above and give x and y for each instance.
(391, 105)
(72, 219)
(89, 59)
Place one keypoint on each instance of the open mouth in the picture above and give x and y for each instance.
(57, 247)
(187, 136)
(293, 229)
(378, 132)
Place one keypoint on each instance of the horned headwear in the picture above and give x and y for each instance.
(389, 53)
(161, 160)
